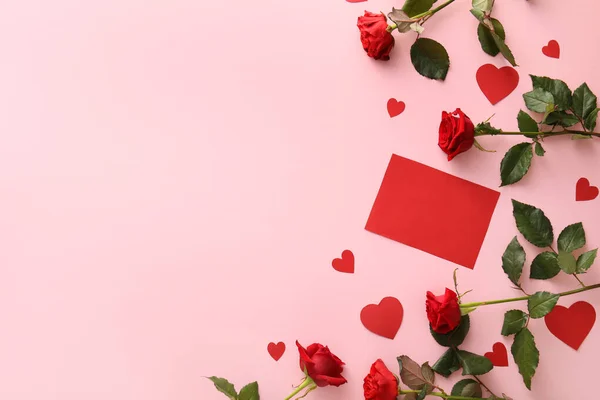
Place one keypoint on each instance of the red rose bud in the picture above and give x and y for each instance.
(321, 365)
(380, 384)
(457, 133)
(377, 41)
(443, 311)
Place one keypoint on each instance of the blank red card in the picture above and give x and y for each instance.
(433, 211)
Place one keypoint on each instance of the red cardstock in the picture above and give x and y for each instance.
(584, 191)
(344, 264)
(496, 83)
(383, 319)
(571, 325)
(395, 107)
(276, 350)
(498, 356)
(433, 211)
(552, 49)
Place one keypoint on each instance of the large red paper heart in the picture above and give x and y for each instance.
(395, 107)
(571, 325)
(383, 319)
(496, 83)
(276, 350)
(498, 356)
(552, 49)
(584, 191)
(344, 264)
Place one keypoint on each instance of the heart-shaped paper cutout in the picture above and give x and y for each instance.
(498, 356)
(276, 350)
(571, 325)
(496, 83)
(552, 49)
(383, 319)
(344, 264)
(395, 107)
(584, 191)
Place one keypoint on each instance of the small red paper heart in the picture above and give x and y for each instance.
(498, 356)
(584, 191)
(344, 264)
(383, 319)
(276, 350)
(496, 83)
(571, 325)
(552, 49)
(395, 107)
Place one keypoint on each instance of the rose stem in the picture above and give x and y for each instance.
(489, 302)
(543, 134)
(307, 381)
(442, 395)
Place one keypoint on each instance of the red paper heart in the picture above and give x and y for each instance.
(395, 107)
(355, 1)
(496, 83)
(344, 264)
(498, 356)
(584, 191)
(383, 319)
(276, 350)
(571, 325)
(552, 49)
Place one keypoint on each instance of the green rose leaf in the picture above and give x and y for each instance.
(567, 262)
(430, 58)
(560, 118)
(224, 387)
(428, 373)
(526, 355)
(447, 363)
(590, 121)
(533, 224)
(467, 388)
(538, 100)
(571, 238)
(559, 90)
(544, 266)
(513, 260)
(504, 49)
(249, 392)
(585, 261)
(480, 15)
(414, 7)
(539, 150)
(526, 123)
(516, 163)
(541, 303)
(584, 101)
(486, 39)
(483, 5)
(411, 373)
(455, 337)
(514, 321)
(473, 364)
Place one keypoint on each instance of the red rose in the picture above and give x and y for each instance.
(376, 39)
(321, 365)
(380, 384)
(443, 312)
(457, 133)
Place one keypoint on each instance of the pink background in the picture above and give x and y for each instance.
(178, 175)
